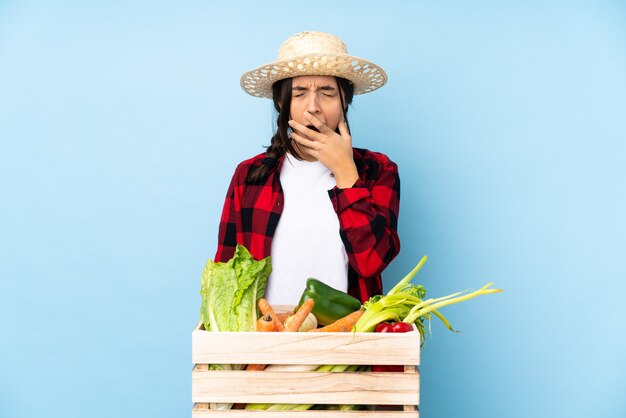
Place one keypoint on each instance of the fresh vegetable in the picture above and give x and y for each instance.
(342, 407)
(270, 323)
(395, 327)
(344, 324)
(405, 303)
(256, 367)
(301, 314)
(282, 316)
(266, 309)
(266, 324)
(309, 323)
(278, 407)
(330, 304)
(291, 367)
(230, 292)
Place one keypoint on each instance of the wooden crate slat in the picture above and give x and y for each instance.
(304, 348)
(234, 413)
(354, 388)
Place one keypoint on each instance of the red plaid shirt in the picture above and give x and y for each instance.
(367, 212)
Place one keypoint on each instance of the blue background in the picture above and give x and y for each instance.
(121, 124)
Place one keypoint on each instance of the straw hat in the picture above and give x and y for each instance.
(314, 53)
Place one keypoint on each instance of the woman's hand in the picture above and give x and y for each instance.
(331, 149)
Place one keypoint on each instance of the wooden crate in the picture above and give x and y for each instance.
(397, 391)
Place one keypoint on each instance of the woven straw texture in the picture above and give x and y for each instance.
(314, 53)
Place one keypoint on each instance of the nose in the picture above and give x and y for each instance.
(313, 106)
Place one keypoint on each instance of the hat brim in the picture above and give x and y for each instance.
(365, 75)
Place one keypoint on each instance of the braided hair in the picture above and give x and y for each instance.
(281, 142)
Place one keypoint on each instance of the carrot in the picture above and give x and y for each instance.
(266, 308)
(282, 316)
(344, 324)
(255, 367)
(298, 318)
(270, 322)
(266, 324)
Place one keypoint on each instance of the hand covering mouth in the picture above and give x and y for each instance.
(313, 128)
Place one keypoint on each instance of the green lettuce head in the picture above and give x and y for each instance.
(230, 291)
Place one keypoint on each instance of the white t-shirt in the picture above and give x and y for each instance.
(306, 242)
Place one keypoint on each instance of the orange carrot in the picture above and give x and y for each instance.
(266, 324)
(298, 318)
(344, 324)
(255, 367)
(282, 316)
(266, 308)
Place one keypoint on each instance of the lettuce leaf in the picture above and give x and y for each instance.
(230, 291)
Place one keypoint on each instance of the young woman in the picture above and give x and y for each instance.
(320, 207)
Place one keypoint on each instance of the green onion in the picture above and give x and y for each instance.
(405, 302)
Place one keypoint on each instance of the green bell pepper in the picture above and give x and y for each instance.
(330, 304)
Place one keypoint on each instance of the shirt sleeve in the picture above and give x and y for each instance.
(227, 234)
(368, 219)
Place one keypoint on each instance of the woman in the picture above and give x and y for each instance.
(318, 206)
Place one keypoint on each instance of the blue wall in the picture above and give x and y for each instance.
(121, 124)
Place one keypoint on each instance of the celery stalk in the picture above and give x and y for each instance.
(435, 306)
(408, 277)
(403, 303)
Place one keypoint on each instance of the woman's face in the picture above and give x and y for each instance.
(319, 95)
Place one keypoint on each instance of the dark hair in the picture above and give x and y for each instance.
(281, 142)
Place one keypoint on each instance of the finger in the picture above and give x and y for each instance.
(323, 128)
(304, 150)
(295, 126)
(343, 130)
(308, 143)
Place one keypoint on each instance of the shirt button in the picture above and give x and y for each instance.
(278, 203)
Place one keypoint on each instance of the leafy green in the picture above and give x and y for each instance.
(405, 302)
(230, 291)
